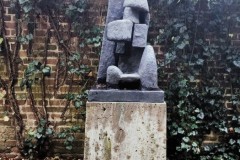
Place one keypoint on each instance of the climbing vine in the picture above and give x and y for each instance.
(200, 75)
(64, 20)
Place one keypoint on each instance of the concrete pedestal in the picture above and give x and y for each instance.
(125, 131)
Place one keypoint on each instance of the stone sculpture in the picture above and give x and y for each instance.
(127, 62)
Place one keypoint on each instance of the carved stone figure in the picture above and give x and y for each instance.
(127, 62)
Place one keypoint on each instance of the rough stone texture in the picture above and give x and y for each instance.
(148, 69)
(120, 48)
(115, 95)
(140, 35)
(113, 75)
(122, 131)
(131, 14)
(120, 30)
(115, 12)
(138, 4)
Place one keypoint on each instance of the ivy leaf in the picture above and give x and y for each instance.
(70, 139)
(27, 8)
(49, 131)
(183, 29)
(178, 25)
(234, 118)
(46, 71)
(180, 131)
(29, 37)
(22, 1)
(38, 135)
(78, 104)
(1, 40)
(200, 115)
(238, 141)
(169, 57)
(206, 148)
(236, 63)
(186, 139)
(181, 46)
(237, 129)
(231, 141)
(72, 7)
(194, 144)
(194, 126)
(40, 129)
(229, 70)
(185, 146)
(69, 147)
(200, 61)
(81, 10)
(31, 132)
(197, 110)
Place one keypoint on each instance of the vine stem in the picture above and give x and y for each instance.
(67, 52)
(10, 59)
(195, 34)
(68, 100)
(43, 84)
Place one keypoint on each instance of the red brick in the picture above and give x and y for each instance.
(38, 46)
(57, 102)
(56, 116)
(41, 102)
(26, 109)
(10, 25)
(40, 33)
(93, 55)
(7, 17)
(50, 81)
(52, 47)
(6, 3)
(23, 53)
(44, 25)
(30, 116)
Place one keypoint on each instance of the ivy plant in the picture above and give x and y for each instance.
(199, 73)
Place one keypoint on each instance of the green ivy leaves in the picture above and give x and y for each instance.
(202, 62)
(32, 73)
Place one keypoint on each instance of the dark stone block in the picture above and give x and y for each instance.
(115, 95)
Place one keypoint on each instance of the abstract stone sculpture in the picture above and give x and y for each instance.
(127, 62)
(126, 113)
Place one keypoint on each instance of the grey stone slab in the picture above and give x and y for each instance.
(120, 48)
(120, 30)
(137, 4)
(140, 35)
(131, 14)
(115, 95)
(115, 12)
(148, 69)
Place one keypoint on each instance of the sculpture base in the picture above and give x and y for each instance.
(115, 95)
(125, 130)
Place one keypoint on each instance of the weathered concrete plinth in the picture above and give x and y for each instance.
(125, 130)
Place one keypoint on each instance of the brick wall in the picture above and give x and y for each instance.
(55, 102)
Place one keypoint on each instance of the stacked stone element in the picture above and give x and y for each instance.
(135, 64)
